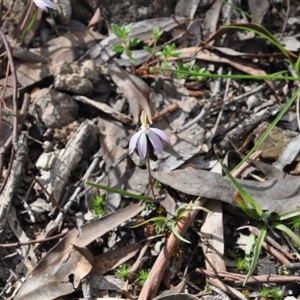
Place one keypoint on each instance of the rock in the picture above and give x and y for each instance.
(75, 78)
(276, 142)
(52, 108)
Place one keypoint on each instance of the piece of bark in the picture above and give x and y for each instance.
(12, 184)
(82, 144)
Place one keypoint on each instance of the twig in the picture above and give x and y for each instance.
(18, 244)
(239, 278)
(238, 172)
(157, 272)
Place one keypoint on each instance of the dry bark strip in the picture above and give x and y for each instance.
(13, 182)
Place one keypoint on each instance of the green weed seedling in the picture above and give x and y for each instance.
(122, 32)
(142, 276)
(123, 271)
(242, 265)
(266, 221)
(98, 206)
(156, 34)
(276, 293)
(265, 292)
(295, 223)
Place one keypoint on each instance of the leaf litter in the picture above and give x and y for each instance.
(53, 241)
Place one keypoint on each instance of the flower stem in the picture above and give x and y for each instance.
(150, 176)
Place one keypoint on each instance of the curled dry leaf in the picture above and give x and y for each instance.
(135, 90)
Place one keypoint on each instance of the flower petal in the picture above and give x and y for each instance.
(43, 4)
(161, 134)
(155, 141)
(133, 141)
(142, 145)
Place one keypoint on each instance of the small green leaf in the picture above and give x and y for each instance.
(127, 29)
(155, 219)
(118, 48)
(243, 192)
(148, 49)
(173, 47)
(156, 33)
(159, 53)
(134, 42)
(287, 215)
(173, 228)
(256, 251)
(288, 232)
(297, 65)
(117, 30)
(164, 64)
(133, 61)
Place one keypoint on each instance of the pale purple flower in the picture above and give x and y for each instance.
(44, 4)
(139, 139)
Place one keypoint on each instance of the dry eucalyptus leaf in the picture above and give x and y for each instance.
(59, 272)
(277, 195)
(135, 90)
(112, 134)
(212, 237)
(111, 259)
(97, 228)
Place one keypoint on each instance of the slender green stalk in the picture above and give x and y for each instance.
(118, 191)
(150, 176)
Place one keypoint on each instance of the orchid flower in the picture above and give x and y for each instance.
(139, 139)
(44, 4)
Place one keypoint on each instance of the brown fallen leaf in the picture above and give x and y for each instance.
(61, 270)
(212, 236)
(110, 260)
(97, 228)
(112, 134)
(105, 108)
(278, 195)
(135, 90)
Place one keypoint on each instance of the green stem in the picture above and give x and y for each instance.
(150, 176)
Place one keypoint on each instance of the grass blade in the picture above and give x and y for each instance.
(243, 193)
(256, 252)
(288, 232)
(118, 191)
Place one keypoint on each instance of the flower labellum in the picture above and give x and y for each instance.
(44, 4)
(139, 139)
